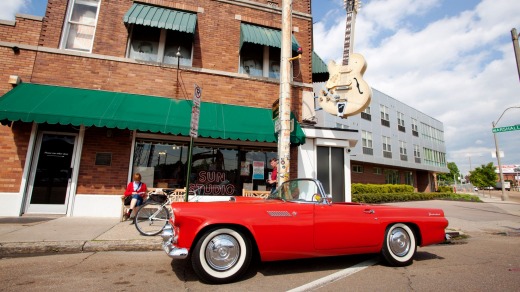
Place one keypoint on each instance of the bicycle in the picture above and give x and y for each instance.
(153, 215)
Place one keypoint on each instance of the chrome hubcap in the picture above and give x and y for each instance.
(399, 242)
(222, 252)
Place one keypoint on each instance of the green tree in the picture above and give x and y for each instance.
(484, 176)
(449, 177)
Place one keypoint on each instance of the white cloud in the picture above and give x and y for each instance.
(8, 8)
(459, 69)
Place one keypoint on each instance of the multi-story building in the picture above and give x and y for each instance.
(97, 90)
(398, 144)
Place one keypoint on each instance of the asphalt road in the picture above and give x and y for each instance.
(488, 259)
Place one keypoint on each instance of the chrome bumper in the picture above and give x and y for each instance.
(169, 238)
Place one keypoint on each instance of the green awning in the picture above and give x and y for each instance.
(320, 72)
(263, 36)
(161, 17)
(38, 103)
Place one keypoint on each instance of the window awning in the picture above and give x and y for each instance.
(263, 36)
(161, 17)
(38, 103)
(320, 71)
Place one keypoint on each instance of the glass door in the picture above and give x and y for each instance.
(51, 173)
(331, 171)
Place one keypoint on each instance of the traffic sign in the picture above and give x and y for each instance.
(195, 112)
(506, 129)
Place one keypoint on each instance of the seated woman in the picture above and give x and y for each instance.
(135, 194)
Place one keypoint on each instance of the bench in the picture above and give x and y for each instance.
(256, 194)
(176, 196)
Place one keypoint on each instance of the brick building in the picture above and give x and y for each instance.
(98, 90)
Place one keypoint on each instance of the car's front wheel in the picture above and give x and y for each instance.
(221, 255)
(399, 246)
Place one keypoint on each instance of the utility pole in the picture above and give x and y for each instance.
(505, 197)
(514, 35)
(284, 135)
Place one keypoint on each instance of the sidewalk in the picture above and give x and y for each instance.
(51, 234)
(47, 234)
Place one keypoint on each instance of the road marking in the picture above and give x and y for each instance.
(336, 276)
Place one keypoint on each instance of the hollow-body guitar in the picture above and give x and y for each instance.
(347, 93)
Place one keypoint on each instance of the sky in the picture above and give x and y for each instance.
(450, 59)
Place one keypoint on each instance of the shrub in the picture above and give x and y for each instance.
(373, 198)
(445, 189)
(380, 188)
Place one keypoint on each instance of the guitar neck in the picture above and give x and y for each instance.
(349, 33)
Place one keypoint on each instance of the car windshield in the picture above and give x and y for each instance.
(301, 190)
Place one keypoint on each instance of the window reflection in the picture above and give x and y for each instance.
(218, 170)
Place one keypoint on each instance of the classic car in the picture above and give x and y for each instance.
(297, 221)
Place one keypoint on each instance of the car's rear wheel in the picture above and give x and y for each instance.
(221, 255)
(399, 246)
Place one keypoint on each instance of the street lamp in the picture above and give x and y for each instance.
(514, 35)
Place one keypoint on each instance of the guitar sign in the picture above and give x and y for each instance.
(347, 93)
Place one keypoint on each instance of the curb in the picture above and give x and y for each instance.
(32, 248)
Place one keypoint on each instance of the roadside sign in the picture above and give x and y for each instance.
(195, 112)
(506, 129)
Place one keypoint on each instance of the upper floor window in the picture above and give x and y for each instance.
(384, 113)
(80, 25)
(160, 45)
(260, 51)
(385, 117)
(400, 122)
(365, 114)
(415, 129)
(168, 39)
(402, 147)
(366, 137)
(400, 119)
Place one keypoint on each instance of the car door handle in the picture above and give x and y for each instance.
(369, 211)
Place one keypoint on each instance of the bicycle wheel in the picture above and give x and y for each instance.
(151, 218)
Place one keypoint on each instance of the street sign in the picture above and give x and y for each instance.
(506, 129)
(195, 112)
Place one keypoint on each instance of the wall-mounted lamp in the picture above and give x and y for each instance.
(14, 80)
(299, 51)
(16, 50)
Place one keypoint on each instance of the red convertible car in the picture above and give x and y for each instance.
(297, 221)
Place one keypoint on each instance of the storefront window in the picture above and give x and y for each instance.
(215, 169)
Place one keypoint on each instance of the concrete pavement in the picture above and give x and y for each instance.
(28, 235)
(45, 234)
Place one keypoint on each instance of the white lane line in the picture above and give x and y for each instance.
(336, 276)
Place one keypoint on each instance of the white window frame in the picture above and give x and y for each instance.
(400, 119)
(69, 22)
(387, 144)
(384, 113)
(414, 125)
(402, 147)
(416, 151)
(366, 138)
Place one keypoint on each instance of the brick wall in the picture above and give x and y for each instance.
(19, 64)
(53, 23)
(13, 150)
(97, 179)
(23, 31)
(216, 47)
